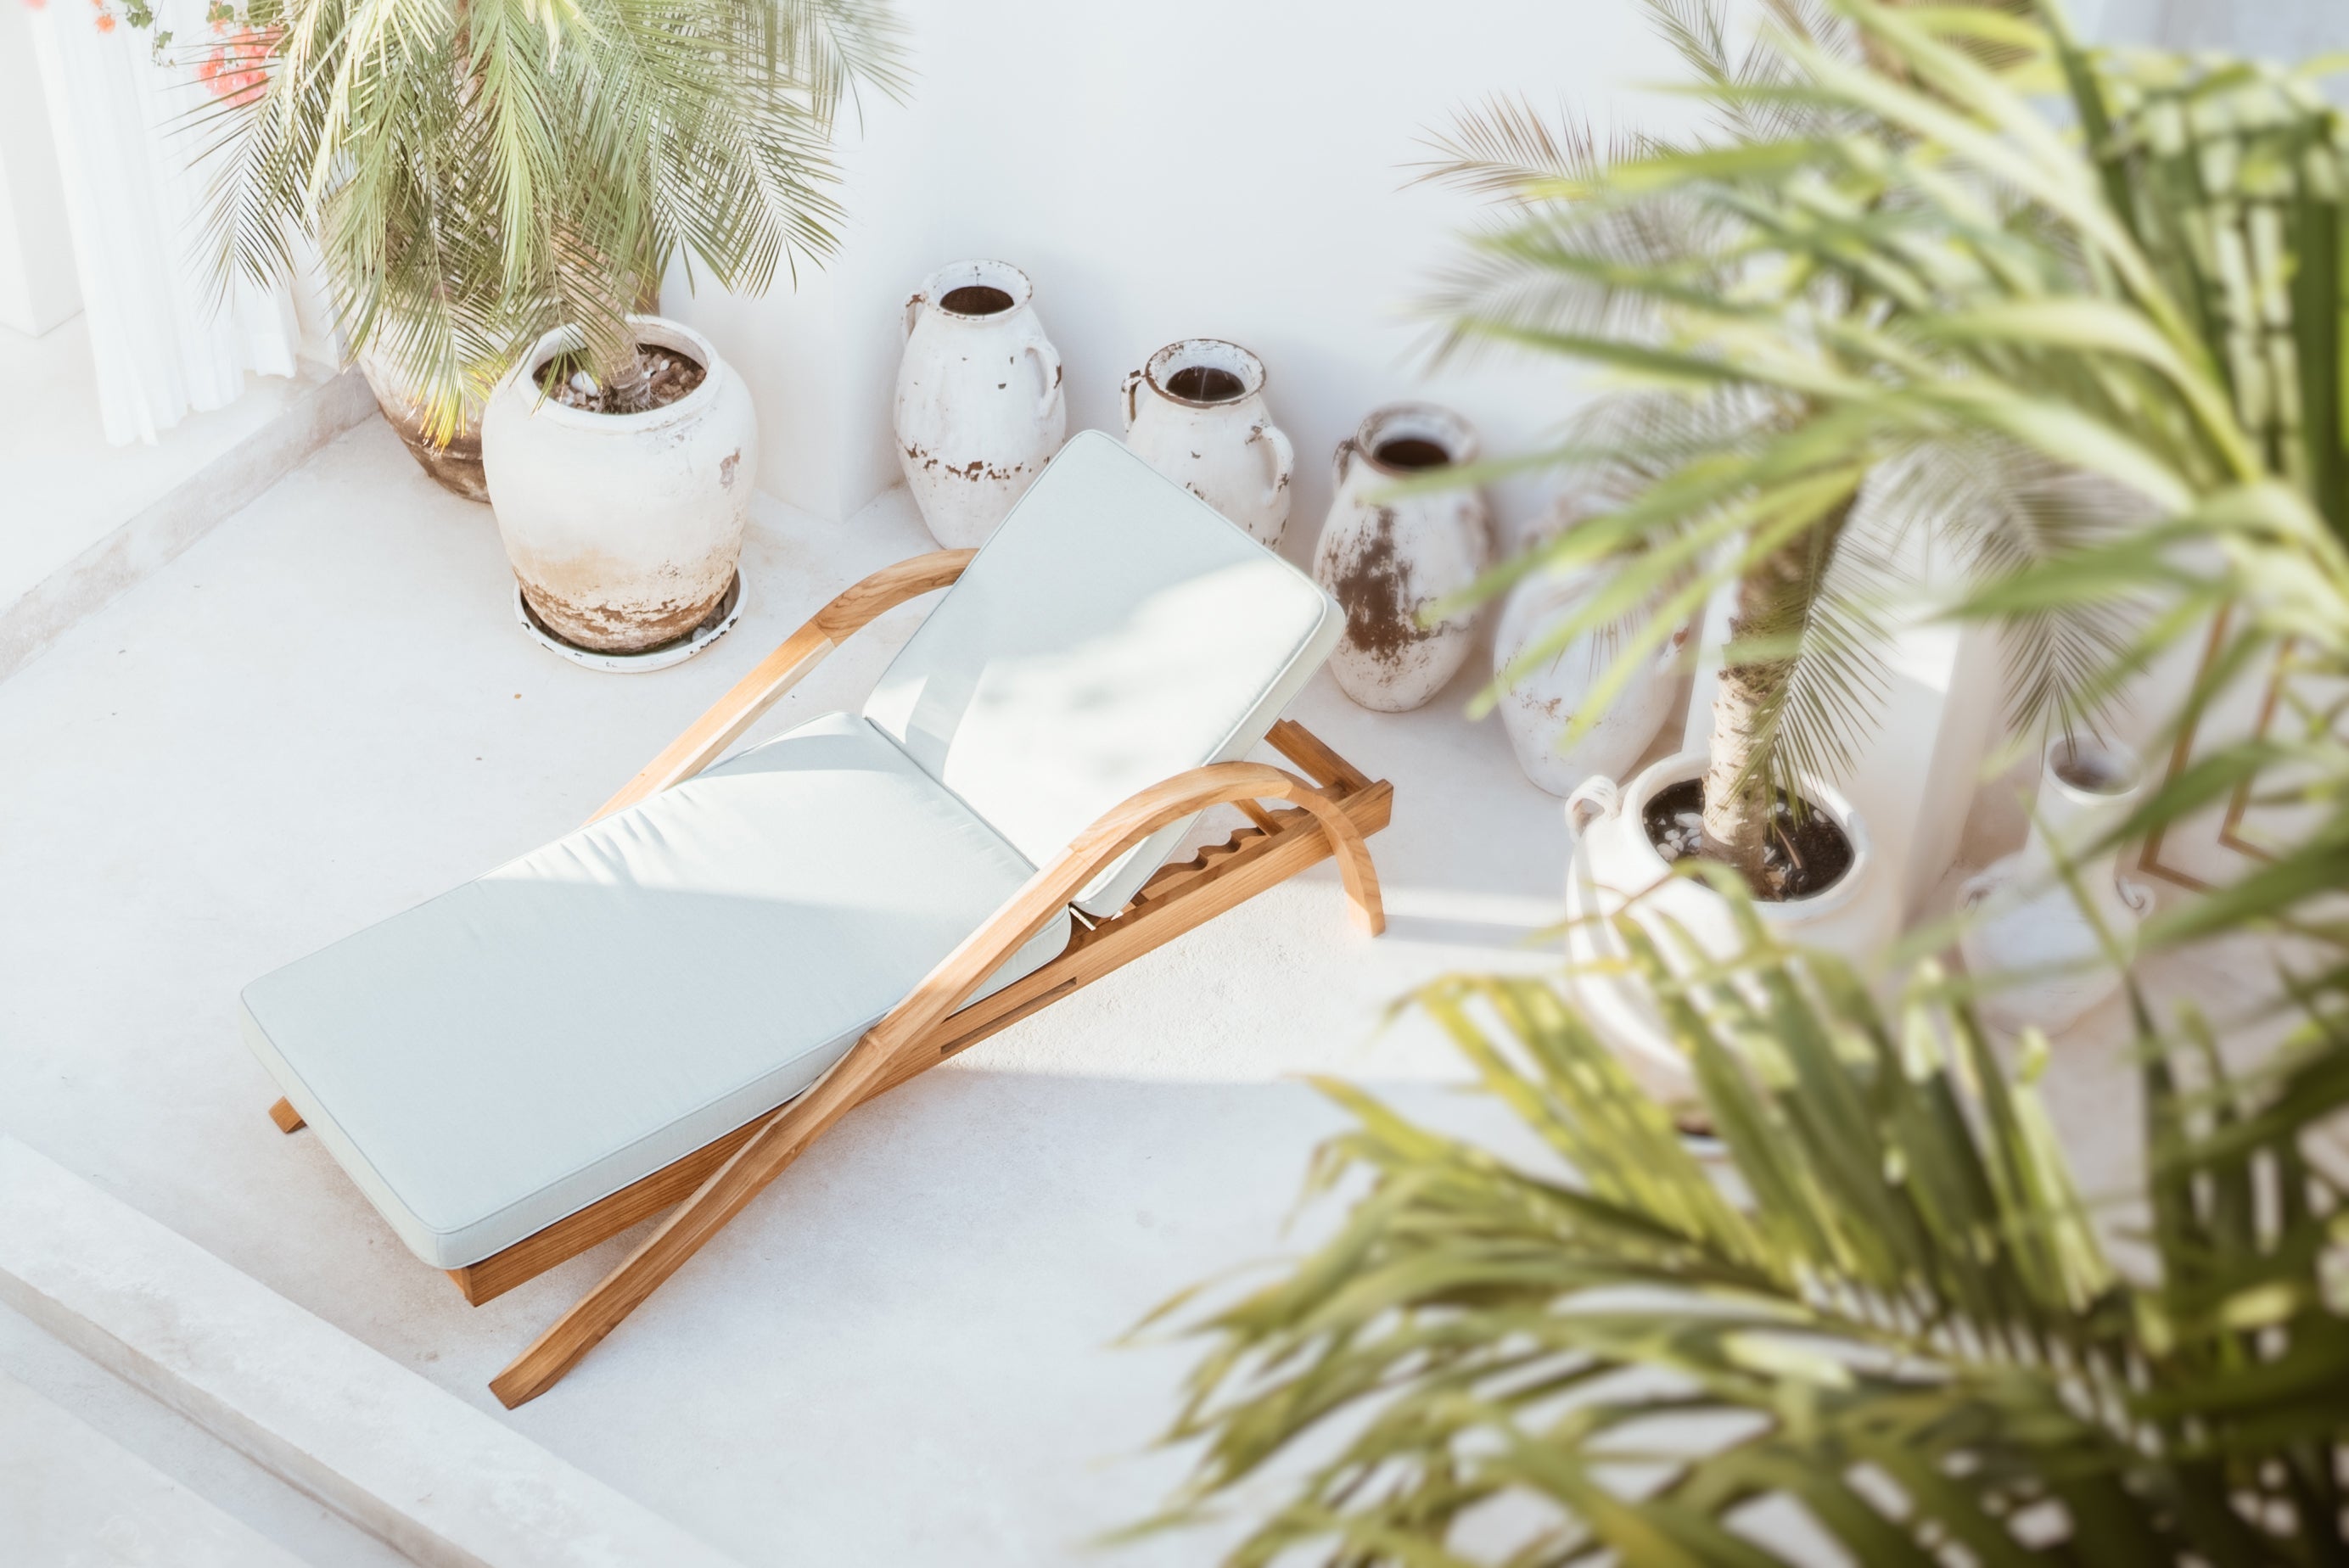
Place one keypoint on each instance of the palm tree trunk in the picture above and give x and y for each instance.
(1774, 606)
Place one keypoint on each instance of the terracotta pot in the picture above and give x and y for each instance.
(456, 466)
(1195, 412)
(624, 529)
(1542, 703)
(2028, 921)
(1386, 557)
(1615, 863)
(980, 409)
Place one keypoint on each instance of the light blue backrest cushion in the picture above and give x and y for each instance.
(1115, 631)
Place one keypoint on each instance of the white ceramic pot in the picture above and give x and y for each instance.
(1195, 412)
(1543, 702)
(623, 528)
(979, 406)
(1386, 557)
(1614, 863)
(2026, 919)
(455, 464)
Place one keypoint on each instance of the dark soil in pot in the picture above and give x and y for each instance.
(1807, 853)
(674, 373)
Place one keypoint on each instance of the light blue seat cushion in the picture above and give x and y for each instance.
(1116, 630)
(494, 1060)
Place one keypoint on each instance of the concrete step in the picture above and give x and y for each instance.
(72, 1498)
(440, 1483)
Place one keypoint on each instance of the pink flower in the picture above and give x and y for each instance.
(237, 72)
(106, 21)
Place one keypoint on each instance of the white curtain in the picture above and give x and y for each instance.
(165, 339)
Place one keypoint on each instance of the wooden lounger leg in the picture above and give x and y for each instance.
(287, 1119)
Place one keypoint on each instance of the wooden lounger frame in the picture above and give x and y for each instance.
(1326, 813)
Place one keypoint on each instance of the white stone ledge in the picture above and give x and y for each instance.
(438, 1480)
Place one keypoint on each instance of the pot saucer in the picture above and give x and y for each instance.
(714, 626)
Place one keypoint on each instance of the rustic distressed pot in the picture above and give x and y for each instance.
(2026, 918)
(624, 529)
(455, 467)
(1195, 412)
(1386, 557)
(1617, 869)
(1543, 702)
(980, 409)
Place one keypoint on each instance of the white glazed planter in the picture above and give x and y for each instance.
(2026, 919)
(980, 409)
(456, 465)
(1195, 412)
(1543, 703)
(1386, 557)
(624, 529)
(1614, 863)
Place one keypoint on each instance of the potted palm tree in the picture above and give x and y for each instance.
(496, 188)
(1891, 1330)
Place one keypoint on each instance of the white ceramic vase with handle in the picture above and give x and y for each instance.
(623, 529)
(1386, 557)
(1195, 412)
(1544, 700)
(1616, 870)
(2028, 922)
(980, 409)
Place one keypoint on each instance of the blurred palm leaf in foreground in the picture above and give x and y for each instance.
(1894, 1313)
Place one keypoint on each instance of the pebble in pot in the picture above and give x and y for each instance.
(1195, 412)
(979, 406)
(623, 528)
(1543, 701)
(2026, 917)
(1386, 557)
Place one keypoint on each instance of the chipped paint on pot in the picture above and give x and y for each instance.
(623, 528)
(455, 467)
(1195, 412)
(1386, 557)
(980, 409)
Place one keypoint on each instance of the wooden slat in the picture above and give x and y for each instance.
(287, 1119)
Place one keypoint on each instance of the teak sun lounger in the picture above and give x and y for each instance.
(663, 1009)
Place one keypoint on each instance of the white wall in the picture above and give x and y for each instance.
(1165, 170)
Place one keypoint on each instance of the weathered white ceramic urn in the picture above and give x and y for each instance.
(1615, 869)
(1195, 412)
(623, 528)
(1544, 700)
(2028, 923)
(1386, 557)
(979, 406)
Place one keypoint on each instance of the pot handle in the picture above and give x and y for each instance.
(912, 312)
(1132, 384)
(1284, 461)
(1342, 459)
(1594, 798)
(1047, 360)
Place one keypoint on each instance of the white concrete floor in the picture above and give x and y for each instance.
(323, 713)
(904, 1352)
(63, 486)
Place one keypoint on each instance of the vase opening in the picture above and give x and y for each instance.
(1206, 384)
(1808, 851)
(2093, 770)
(975, 299)
(1411, 454)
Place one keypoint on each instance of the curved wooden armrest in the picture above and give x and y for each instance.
(872, 1064)
(709, 737)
